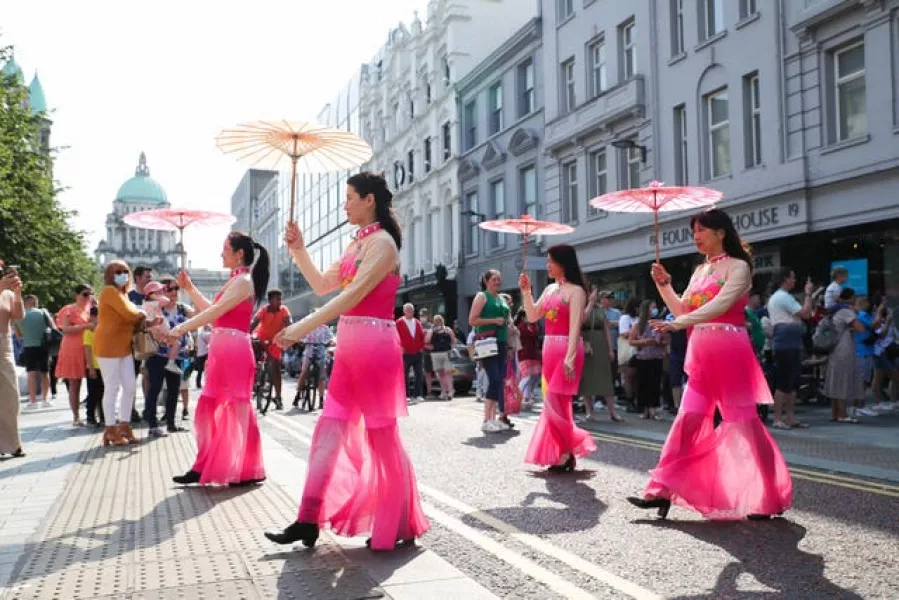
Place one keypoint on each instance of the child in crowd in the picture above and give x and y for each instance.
(154, 305)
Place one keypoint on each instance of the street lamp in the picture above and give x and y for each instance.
(471, 213)
(628, 144)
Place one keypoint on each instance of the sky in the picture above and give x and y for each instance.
(164, 77)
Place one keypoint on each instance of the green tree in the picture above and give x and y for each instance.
(35, 230)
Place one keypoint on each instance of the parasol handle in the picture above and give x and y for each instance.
(291, 217)
(655, 219)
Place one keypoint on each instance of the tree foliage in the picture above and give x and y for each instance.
(35, 230)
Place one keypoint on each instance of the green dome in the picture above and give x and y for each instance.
(142, 189)
(13, 68)
(37, 100)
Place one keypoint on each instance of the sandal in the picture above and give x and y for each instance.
(799, 425)
(780, 425)
(848, 420)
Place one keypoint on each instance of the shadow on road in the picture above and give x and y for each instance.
(487, 440)
(768, 551)
(567, 506)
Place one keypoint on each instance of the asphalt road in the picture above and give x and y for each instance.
(524, 534)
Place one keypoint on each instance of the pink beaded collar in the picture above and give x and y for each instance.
(715, 259)
(239, 271)
(366, 231)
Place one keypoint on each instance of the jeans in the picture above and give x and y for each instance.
(414, 361)
(156, 370)
(495, 366)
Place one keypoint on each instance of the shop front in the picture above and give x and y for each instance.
(433, 292)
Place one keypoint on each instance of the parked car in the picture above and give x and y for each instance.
(463, 372)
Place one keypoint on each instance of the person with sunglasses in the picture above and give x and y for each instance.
(72, 320)
(117, 321)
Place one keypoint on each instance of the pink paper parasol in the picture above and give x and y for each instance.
(176, 219)
(525, 226)
(657, 197)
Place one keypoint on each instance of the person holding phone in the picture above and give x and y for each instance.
(12, 308)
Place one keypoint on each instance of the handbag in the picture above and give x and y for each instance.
(588, 347)
(144, 346)
(52, 335)
(485, 346)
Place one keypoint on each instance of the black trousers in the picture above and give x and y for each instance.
(159, 376)
(414, 361)
(199, 367)
(649, 382)
(95, 389)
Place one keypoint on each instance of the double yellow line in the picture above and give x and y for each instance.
(843, 481)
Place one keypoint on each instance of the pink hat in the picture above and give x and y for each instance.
(153, 287)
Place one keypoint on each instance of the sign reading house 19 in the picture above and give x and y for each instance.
(747, 222)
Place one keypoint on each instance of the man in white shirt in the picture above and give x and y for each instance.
(786, 316)
(832, 294)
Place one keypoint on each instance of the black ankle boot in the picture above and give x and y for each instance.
(663, 504)
(408, 543)
(188, 478)
(247, 482)
(565, 467)
(295, 532)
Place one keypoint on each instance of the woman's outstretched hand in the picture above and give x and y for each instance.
(293, 237)
(185, 281)
(662, 326)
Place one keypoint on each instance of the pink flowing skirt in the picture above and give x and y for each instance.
(556, 434)
(736, 469)
(229, 447)
(360, 478)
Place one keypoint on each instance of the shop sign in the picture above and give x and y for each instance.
(858, 274)
(766, 262)
(747, 223)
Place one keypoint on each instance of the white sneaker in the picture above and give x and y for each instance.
(882, 406)
(410, 401)
(171, 367)
(30, 406)
(866, 412)
(46, 404)
(491, 427)
(501, 426)
(419, 399)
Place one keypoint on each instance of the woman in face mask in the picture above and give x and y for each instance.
(117, 320)
(650, 347)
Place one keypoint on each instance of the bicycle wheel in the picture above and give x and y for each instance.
(259, 388)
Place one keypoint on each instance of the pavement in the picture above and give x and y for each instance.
(80, 521)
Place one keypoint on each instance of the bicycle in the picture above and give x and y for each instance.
(262, 384)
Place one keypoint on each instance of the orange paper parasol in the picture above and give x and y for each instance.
(524, 226)
(657, 197)
(308, 146)
(176, 219)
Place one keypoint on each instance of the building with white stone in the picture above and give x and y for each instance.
(409, 113)
(137, 246)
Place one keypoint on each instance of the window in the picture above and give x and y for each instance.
(628, 36)
(427, 155)
(597, 54)
(677, 27)
(447, 141)
(599, 184)
(410, 166)
(413, 234)
(447, 80)
(528, 187)
(411, 108)
(471, 203)
(565, 9)
(429, 239)
(753, 120)
(399, 119)
(711, 18)
(569, 192)
(526, 95)
(498, 208)
(496, 108)
(682, 174)
(718, 126)
(748, 8)
(849, 79)
(471, 125)
(427, 93)
(632, 168)
(568, 99)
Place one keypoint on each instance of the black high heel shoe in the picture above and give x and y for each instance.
(663, 504)
(295, 532)
(188, 478)
(566, 467)
(407, 543)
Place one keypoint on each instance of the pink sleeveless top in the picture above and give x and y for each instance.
(238, 317)
(557, 312)
(380, 301)
(707, 287)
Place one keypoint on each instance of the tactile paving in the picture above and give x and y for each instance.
(123, 530)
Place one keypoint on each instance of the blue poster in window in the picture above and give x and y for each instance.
(858, 274)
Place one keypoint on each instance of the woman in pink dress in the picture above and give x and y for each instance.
(557, 441)
(229, 448)
(736, 470)
(359, 479)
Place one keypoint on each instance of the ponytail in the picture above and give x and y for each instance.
(256, 255)
(366, 183)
